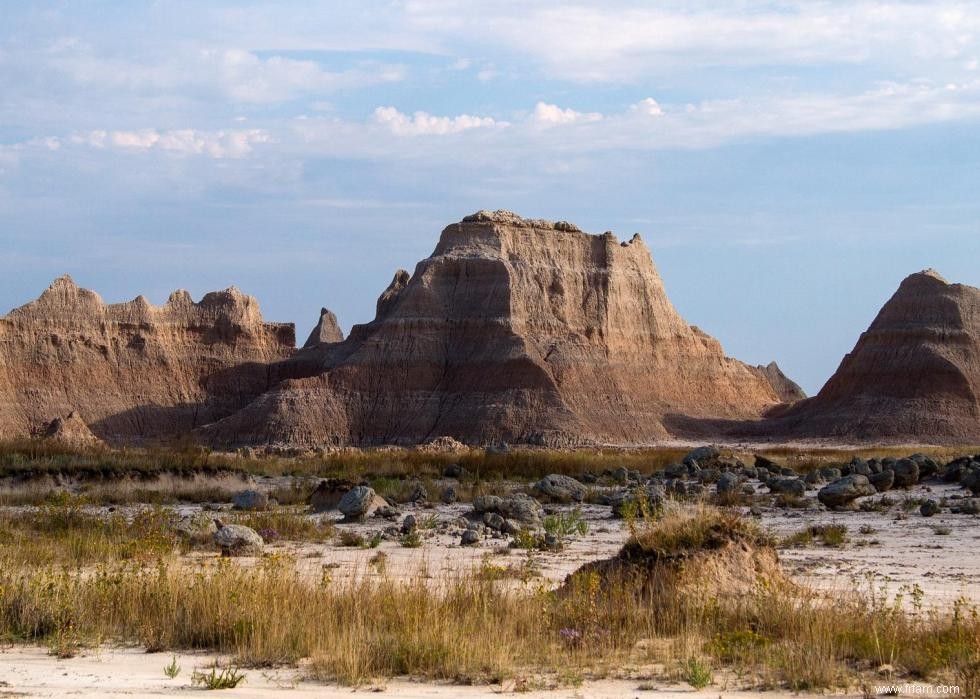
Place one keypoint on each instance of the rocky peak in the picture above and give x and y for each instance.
(327, 330)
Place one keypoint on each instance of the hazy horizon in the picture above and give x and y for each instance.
(787, 163)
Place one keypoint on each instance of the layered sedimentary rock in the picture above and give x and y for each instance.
(913, 375)
(516, 330)
(133, 370)
(326, 331)
(71, 430)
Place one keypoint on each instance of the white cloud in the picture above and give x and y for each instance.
(238, 75)
(647, 107)
(546, 115)
(425, 124)
(627, 41)
(215, 144)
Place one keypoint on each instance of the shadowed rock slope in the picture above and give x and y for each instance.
(132, 370)
(913, 375)
(513, 329)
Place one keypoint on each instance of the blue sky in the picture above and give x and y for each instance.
(788, 163)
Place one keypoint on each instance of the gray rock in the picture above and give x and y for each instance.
(359, 502)
(966, 506)
(766, 463)
(561, 488)
(494, 521)
(971, 479)
(830, 473)
(449, 495)
(652, 496)
(520, 507)
(469, 537)
(452, 471)
(249, 500)
(328, 493)
(702, 456)
(727, 483)
(237, 540)
(409, 524)
(843, 491)
(906, 473)
(883, 480)
(813, 477)
(929, 508)
(417, 493)
(789, 485)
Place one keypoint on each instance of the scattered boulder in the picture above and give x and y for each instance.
(702, 456)
(469, 537)
(842, 492)
(560, 488)
(520, 507)
(449, 495)
(409, 524)
(764, 462)
(237, 540)
(417, 493)
(452, 471)
(727, 483)
(788, 485)
(359, 502)
(250, 500)
(883, 480)
(929, 508)
(966, 506)
(622, 501)
(906, 473)
(328, 494)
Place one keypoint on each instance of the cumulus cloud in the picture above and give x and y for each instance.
(546, 115)
(425, 124)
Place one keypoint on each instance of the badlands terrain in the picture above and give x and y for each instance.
(501, 483)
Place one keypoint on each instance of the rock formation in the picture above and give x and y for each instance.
(513, 330)
(133, 370)
(787, 389)
(914, 375)
(326, 331)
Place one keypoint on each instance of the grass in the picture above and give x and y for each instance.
(832, 535)
(477, 628)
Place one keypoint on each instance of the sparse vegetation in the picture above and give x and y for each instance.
(173, 669)
(218, 678)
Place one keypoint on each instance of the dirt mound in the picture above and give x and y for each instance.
(71, 430)
(720, 557)
(132, 370)
(513, 330)
(913, 375)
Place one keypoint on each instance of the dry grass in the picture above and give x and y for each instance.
(479, 627)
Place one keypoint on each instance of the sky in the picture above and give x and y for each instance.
(787, 163)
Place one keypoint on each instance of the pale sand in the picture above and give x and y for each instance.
(31, 672)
